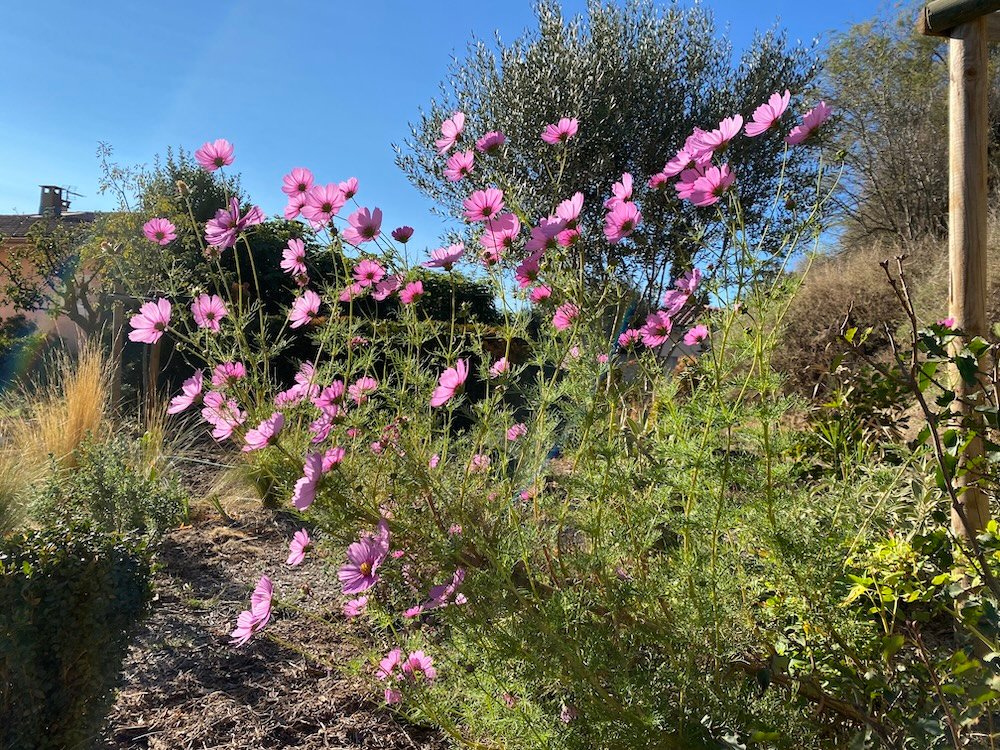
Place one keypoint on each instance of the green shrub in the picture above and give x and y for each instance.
(109, 488)
(70, 600)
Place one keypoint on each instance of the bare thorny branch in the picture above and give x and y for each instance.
(908, 377)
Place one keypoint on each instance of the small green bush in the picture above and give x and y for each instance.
(109, 487)
(70, 600)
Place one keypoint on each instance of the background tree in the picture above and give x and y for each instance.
(638, 77)
(889, 87)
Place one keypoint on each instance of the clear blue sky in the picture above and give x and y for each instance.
(328, 85)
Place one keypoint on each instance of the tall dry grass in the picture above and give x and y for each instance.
(851, 286)
(74, 404)
(47, 425)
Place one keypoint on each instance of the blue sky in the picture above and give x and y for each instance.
(328, 85)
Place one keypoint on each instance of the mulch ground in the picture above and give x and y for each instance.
(184, 686)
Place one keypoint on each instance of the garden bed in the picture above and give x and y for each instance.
(184, 686)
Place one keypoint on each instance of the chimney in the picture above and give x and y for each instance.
(52, 202)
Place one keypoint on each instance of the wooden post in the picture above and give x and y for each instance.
(968, 130)
(940, 17)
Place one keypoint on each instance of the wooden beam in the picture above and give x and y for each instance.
(993, 27)
(939, 17)
(968, 129)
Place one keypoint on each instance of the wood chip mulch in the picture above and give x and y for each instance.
(184, 686)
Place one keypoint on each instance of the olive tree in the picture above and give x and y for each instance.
(638, 77)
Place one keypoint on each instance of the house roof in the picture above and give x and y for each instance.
(17, 225)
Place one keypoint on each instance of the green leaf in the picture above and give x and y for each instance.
(891, 644)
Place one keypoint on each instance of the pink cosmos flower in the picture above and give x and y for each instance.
(333, 457)
(479, 463)
(689, 281)
(674, 300)
(460, 164)
(540, 293)
(294, 206)
(227, 373)
(293, 258)
(947, 323)
(361, 389)
(451, 129)
(629, 338)
(419, 666)
(602, 359)
(363, 226)
(491, 143)
(696, 335)
(658, 181)
(445, 257)
(709, 188)
(620, 221)
(434, 460)
(355, 607)
(546, 235)
(656, 332)
(349, 187)
(716, 140)
(412, 612)
(297, 182)
(304, 493)
(160, 231)
(621, 192)
(264, 434)
(215, 155)
(489, 258)
(685, 185)
(517, 431)
(500, 367)
(810, 124)
(501, 233)
(695, 146)
(411, 292)
(385, 287)
(363, 560)
(527, 270)
(450, 382)
(292, 396)
(447, 593)
(353, 291)
(222, 231)
(208, 311)
(304, 309)
(322, 204)
(766, 115)
(148, 326)
(402, 234)
(190, 393)
(678, 163)
(564, 316)
(561, 131)
(368, 272)
(306, 374)
(223, 414)
(259, 614)
(569, 210)
(297, 548)
(321, 428)
(389, 664)
(483, 204)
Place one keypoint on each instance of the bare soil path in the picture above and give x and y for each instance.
(185, 687)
